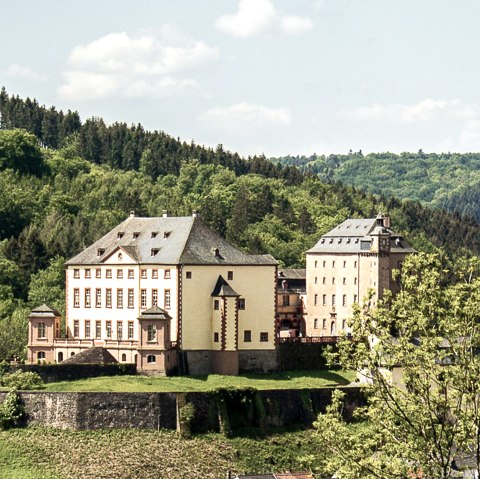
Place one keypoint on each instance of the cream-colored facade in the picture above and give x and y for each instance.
(175, 264)
(357, 256)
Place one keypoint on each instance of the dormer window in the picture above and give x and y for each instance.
(348, 240)
(166, 234)
(331, 240)
(216, 253)
(322, 241)
(120, 234)
(154, 251)
(100, 251)
(136, 234)
(154, 234)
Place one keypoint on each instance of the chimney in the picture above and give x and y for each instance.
(379, 221)
(132, 214)
(387, 222)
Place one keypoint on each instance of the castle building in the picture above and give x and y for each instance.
(291, 292)
(348, 261)
(155, 287)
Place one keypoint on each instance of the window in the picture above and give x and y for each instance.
(98, 298)
(263, 337)
(124, 358)
(100, 252)
(315, 299)
(130, 330)
(76, 329)
(143, 273)
(60, 357)
(167, 274)
(333, 264)
(344, 324)
(324, 300)
(151, 332)
(166, 234)
(344, 280)
(247, 336)
(316, 280)
(98, 329)
(344, 264)
(109, 329)
(354, 298)
(41, 330)
(119, 330)
(131, 298)
(151, 359)
(87, 329)
(154, 273)
(230, 275)
(344, 300)
(119, 273)
(166, 299)
(315, 323)
(98, 273)
(108, 298)
(324, 323)
(216, 304)
(154, 251)
(88, 297)
(119, 298)
(88, 273)
(76, 298)
(108, 273)
(333, 280)
(135, 235)
(76, 273)
(241, 303)
(154, 297)
(355, 264)
(286, 300)
(188, 275)
(324, 280)
(324, 264)
(41, 356)
(131, 274)
(215, 337)
(143, 298)
(316, 264)
(333, 300)
(120, 234)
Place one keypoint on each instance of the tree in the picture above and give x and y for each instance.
(19, 151)
(416, 426)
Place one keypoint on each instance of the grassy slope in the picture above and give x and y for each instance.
(284, 380)
(150, 454)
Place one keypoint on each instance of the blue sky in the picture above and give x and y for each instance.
(259, 76)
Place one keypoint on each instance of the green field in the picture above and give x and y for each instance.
(283, 380)
(56, 454)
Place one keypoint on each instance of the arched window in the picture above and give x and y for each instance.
(41, 330)
(41, 356)
(124, 357)
(60, 357)
(333, 329)
(151, 358)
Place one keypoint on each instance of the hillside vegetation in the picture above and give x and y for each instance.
(64, 183)
(445, 180)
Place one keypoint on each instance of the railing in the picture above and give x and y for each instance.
(94, 342)
(310, 339)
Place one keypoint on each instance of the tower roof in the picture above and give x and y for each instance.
(155, 313)
(44, 311)
(222, 288)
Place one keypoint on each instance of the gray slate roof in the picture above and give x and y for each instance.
(155, 313)
(177, 240)
(44, 311)
(222, 288)
(95, 355)
(354, 236)
(292, 273)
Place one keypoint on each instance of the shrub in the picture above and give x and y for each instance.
(21, 380)
(12, 411)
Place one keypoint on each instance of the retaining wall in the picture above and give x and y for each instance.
(242, 408)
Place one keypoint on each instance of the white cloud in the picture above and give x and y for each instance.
(259, 16)
(18, 71)
(121, 64)
(246, 117)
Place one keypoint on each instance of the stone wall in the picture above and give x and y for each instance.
(300, 356)
(257, 360)
(240, 408)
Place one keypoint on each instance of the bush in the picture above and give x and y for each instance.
(21, 380)
(12, 411)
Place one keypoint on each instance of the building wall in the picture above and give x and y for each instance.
(255, 284)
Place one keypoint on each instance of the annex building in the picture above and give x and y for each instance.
(165, 293)
(356, 256)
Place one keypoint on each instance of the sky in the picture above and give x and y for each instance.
(276, 77)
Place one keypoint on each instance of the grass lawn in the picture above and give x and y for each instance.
(44, 453)
(283, 380)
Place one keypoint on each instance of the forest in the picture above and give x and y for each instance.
(438, 180)
(64, 183)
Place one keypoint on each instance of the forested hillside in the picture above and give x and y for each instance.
(446, 180)
(65, 186)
